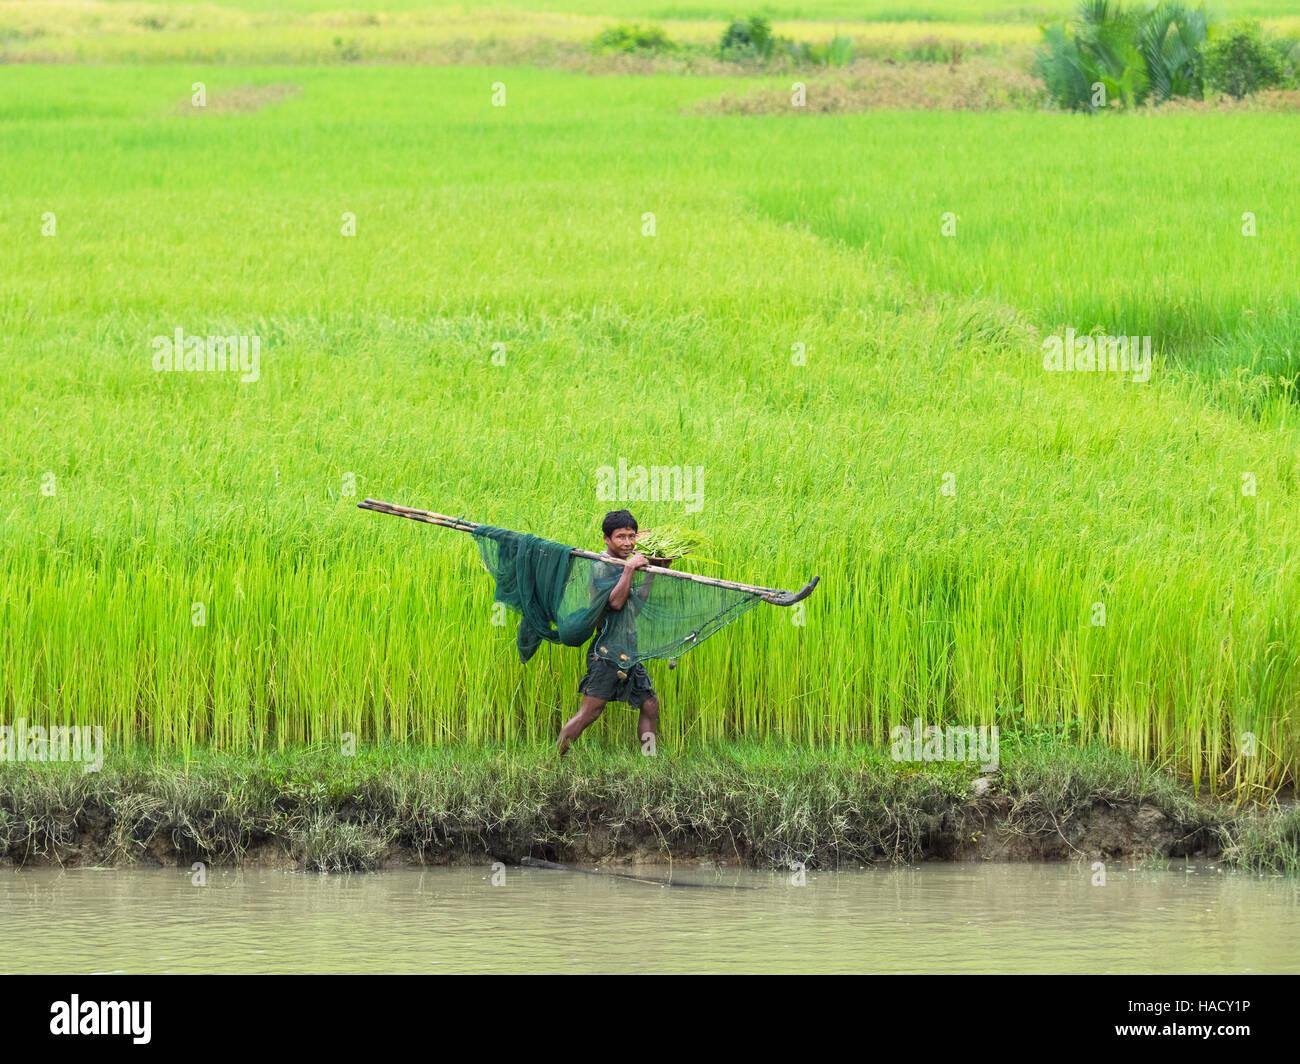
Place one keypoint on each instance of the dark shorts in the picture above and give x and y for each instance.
(601, 681)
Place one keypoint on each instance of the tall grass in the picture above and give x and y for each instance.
(1121, 225)
(522, 226)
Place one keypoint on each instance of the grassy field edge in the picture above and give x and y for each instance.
(747, 804)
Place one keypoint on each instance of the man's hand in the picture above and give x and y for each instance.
(618, 596)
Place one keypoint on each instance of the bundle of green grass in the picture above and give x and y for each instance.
(667, 543)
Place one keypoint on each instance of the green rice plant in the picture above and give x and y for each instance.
(966, 510)
(1035, 258)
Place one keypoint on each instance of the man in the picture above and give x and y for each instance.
(604, 681)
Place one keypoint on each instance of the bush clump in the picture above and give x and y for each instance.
(752, 40)
(837, 53)
(633, 39)
(747, 39)
(1113, 57)
(1240, 61)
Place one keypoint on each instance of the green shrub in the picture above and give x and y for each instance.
(1171, 39)
(348, 51)
(932, 49)
(800, 51)
(1096, 64)
(633, 39)
(1288, 54)
(1112, 55)
(751, 39)
(841, 51)
(1240, 61)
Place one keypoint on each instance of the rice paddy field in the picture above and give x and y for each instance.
(245, 32)
(473, 308)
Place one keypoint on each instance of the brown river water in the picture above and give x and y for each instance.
(929, 918)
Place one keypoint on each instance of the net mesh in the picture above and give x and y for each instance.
(565, 599)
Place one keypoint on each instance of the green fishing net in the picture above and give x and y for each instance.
(564, 599)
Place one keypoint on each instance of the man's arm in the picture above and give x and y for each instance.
(644, 592)
(618, 596)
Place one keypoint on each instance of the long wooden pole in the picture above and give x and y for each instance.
(774, 595)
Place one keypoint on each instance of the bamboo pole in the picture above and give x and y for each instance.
(774, 595)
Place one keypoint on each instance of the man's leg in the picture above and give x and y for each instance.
(588, 713)
(648, 722)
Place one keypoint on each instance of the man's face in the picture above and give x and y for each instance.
(622, 543)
